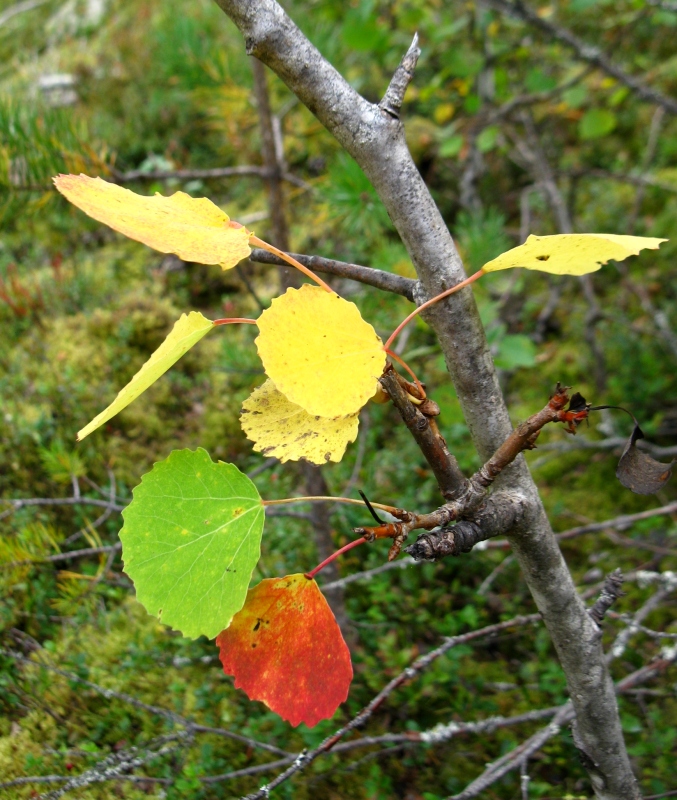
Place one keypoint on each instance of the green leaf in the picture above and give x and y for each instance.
(191, 539)
(575, 97)
(596, 123)
(486, 141)
(451, 147)
(515, 350)
(539, 81)
(187, 331)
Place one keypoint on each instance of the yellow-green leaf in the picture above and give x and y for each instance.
(193, 228)
(319, 352)
(187, 331)
(284, 430)
(572, 253)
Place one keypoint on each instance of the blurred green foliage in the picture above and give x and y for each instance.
(166, 86)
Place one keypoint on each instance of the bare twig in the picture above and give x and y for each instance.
(141, 706)
(633, 180)
(515, 757)
(305, 758)
(58, 501)
(589, 53)
(115, 765)
(629, 620)
(453, 484)
(665, 5)
(19, 8)
(103, 517)
(386, 281)
(368, 574)
(202, 174)
(621, 641)
(402, 77)
(611, 591)
(647, 158)
(610, 443)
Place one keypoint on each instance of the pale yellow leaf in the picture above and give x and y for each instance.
(284, 430)
(192, 228)
(572, 253)
(187, 331)
(319, 352)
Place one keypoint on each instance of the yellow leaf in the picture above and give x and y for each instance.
(284, 430)
(572, 253)
(319, 352)
(187, 331)
(192, 228)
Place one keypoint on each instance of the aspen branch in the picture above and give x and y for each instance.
(203, 174)
(394, 96)
(376, 140)
(453, 484)
(377, 278)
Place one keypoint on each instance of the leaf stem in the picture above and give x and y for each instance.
(322, 498)
(230, 320)
(286, 257)
(401, 361)
(310, 575)
(428, 303)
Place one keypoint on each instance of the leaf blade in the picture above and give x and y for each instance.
(571, 253)
(187, 331)
(308, 677)
(319, 352)
(193, 228)
(191, 561)
(282, 429)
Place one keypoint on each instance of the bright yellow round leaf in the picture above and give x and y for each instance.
(187, 331)
(319, 352)
(572, 253)
(284, 430)
(192, 228)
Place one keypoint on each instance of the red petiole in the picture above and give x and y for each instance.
(286, 257)
(230, 320)
(429, 303)
(310, 575)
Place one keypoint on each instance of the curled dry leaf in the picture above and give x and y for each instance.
(187, 331)
(319, 352)
(639, 472)
(191, 540)
(572, 253)
(288, 432)
(193, 228)
(285, 648)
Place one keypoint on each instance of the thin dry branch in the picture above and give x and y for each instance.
(58, 501)
(377, 278)
(305, 758)
(453, 484)
(172, 716)
(19, 8)
(203, 174)
(585, 52)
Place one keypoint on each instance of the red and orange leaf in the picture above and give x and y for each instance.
(285, 648)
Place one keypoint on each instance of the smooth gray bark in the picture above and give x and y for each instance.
(374, 137)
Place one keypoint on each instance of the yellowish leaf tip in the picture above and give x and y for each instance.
(572, 253)
(192, 228)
